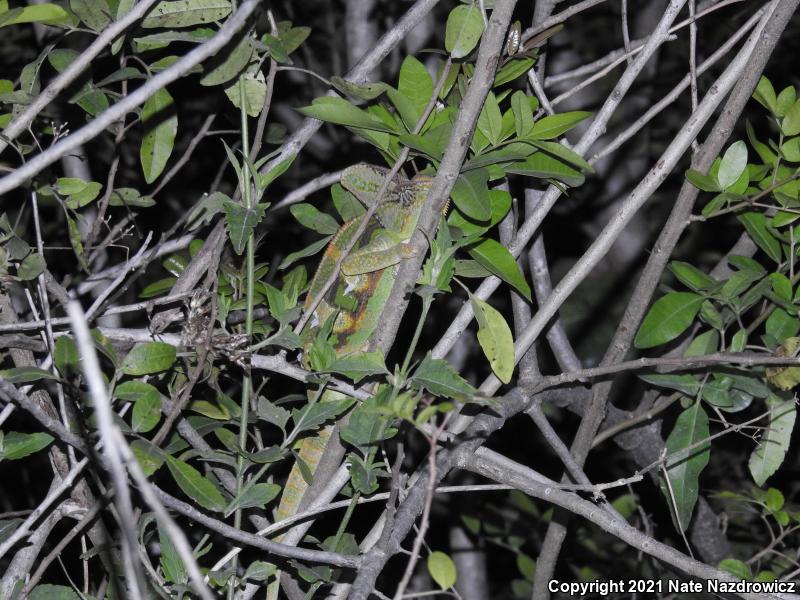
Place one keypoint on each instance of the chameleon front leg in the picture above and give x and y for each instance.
(384, 251)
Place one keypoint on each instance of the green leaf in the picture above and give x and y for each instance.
(463, 30)
(240, 222)
(416, 85)
(686, 384)
(786, 99)
(737, 568)
(312, 416)
(471, 194)
(66, 356)
(148, 455)
(544, 166)
(255, 91)
(791, 150)
(782, 286)
(17, 375)
(513, 69)
(48, 14)
(309, 250)
(756, 225)
(210, 410)
(257, 495)
(439, 378)
(526, 566)
(342, 112)
(490, 120)
(683, 465)
(523, 114)
(130, 197)
(704, 183)
(791, 122)
(31, 267)
(149, 357)
(771, 451)
(222, 70)
(79, 192)
(442, 569)
(94, 13)
(15, 445)
(146, 413)
(170, 561)
(136, 391)
(705, 343)
(500, 203)
(775, 499)
(733, 164)
(765, 95)
(495, 257)
(195, 485)
(186, 13)
(311, 217)
(259, 571)
(294, 37)
(368, 422)
(494, 336)
(159, 140)
(358, 366)
(691, 276)
(53, 592)
(552, 126)
(669, 317)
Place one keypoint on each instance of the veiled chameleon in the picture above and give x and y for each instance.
(357, 299)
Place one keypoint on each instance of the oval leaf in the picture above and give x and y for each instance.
(771, 451)
(494, 336)
(195, 485)
(186, 13)
(669, 317)
(684, 464)
(733, 164)
(464, 29)
(149, 357)
(442, 569)
(15, 445)
(157, 143)
(495, 257)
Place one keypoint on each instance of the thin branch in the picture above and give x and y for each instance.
(97, 125)
(305, 190)
(72, 72)
(526, 481)
(114, 463)
(668, 364)
(657, 174)
(358, 74)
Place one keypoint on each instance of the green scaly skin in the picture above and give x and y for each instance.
(359, 296)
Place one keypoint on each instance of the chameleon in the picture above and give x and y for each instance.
(357, 299)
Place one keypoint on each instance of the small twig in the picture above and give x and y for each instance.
(626, 36)
(187, 154)
(99, 124)
(667, 364)
(305, 190)
(105, 422)
(73, 71)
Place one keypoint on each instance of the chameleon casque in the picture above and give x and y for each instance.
(357, 299)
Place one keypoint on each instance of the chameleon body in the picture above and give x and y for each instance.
(358, 298)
